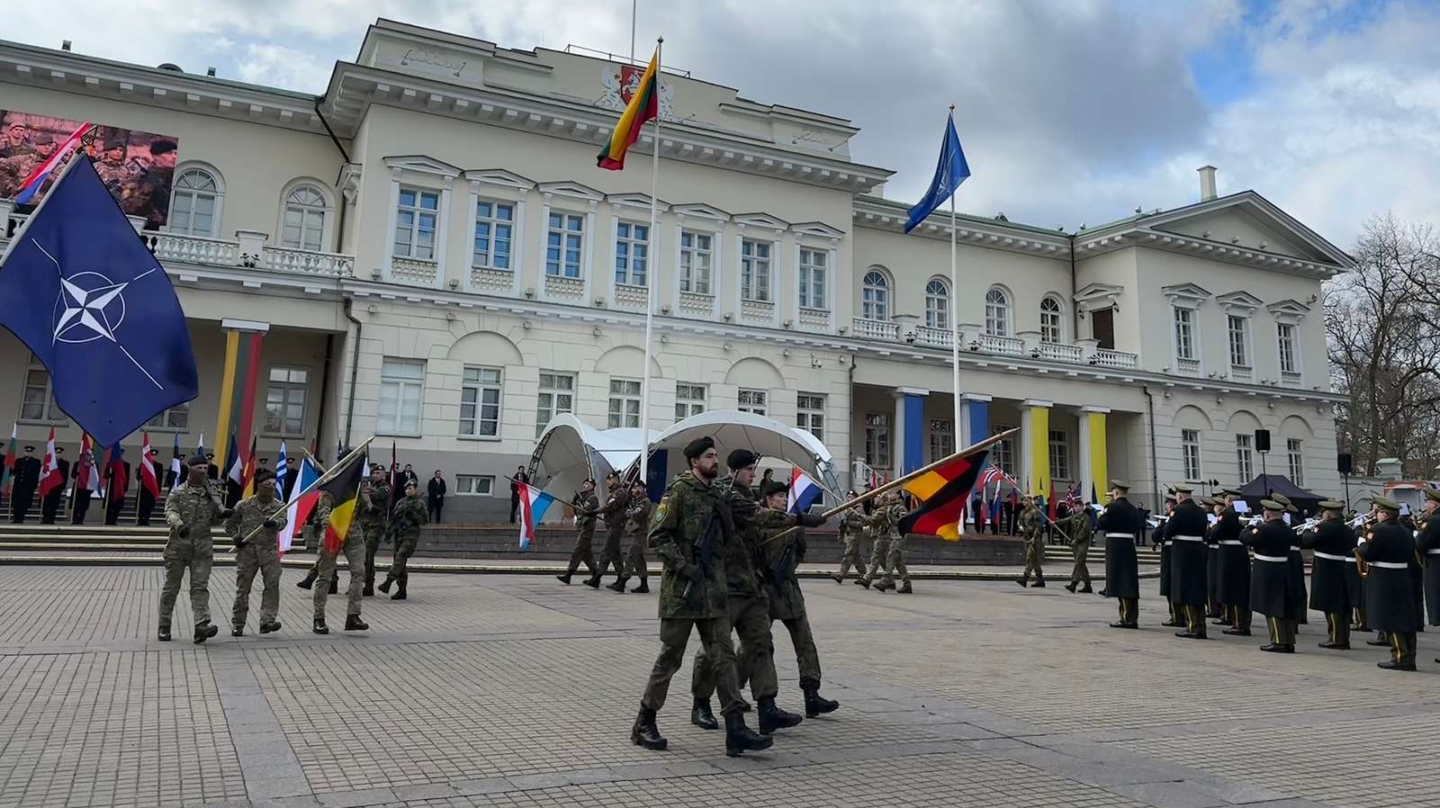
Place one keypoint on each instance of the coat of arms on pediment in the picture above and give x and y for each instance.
(618, 84)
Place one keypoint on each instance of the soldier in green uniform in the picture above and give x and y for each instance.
(637, 523)
(1032, 529)
(1271, 585)
(1076, 527)
(1388, 549)
(587, 507)
(616, 501)
(889, 546)
(252, 526)
(353, 546)
(879, 540)
(852, 527)
(690, 531)
(405, 521)
(1332, 542)
(190, 512)
(787, 604)
(374, 516)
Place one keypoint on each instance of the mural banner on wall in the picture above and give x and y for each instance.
(138, 167)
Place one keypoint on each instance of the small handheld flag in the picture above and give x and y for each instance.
(298, 512)
(949, 173)
(803, 492)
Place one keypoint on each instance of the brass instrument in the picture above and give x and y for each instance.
(1365, 523)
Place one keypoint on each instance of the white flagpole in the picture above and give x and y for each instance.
(955, 320)
(650, 278)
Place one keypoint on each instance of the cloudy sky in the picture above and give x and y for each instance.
(1071, 111)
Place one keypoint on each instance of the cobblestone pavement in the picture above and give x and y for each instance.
(518, 691)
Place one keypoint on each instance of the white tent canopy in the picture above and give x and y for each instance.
(569, 451)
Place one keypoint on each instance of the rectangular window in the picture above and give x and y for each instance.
(470, 485)
(480, 403)
(402, 384)
(754, 401)
(1059, 455)
(1297, 461)
(1185, 334)
(285, 401)
(557, 395)
(689, 400)
(176, 418)
(415, 223)
(942, 440)
(1245, 457)
(624, 404)
(1239, 342)
(877, 441)
(755, 271)
(1285, 336)
(494, 234)
(304, 227)
(564, 245)
(695, 258)
(632, 253)
(810, 414)
(1004, 451)
(813, 279)
(1190, 449)
(38, 401)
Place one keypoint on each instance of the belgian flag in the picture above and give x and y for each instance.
(644, 106)
(944, 492)
(344, 489)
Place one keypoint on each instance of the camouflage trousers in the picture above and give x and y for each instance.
(610, 555)
(354, 550)
(1080, 574)
(195, 554)
(258, 555)
(583, 552)
(714, 639)
(1034, 555)
(372, 546)
(879, 557)
(852, 556)
(635, 559)
(754, 658)
(807, 656)
(895, 562)
(403, 551)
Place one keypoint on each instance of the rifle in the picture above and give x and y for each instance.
(705, 545)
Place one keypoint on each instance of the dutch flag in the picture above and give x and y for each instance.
(533, 505)
(33, 182)
(803, 492)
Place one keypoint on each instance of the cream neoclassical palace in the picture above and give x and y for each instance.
(432, 255)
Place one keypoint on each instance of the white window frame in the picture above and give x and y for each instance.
(395, 387)
(879, 446)
(497, 186)
(937, 304)
(1052, 321)
(999, 312)
(486, 259)
(806, 272)
(1245, 456)
(1281, 329)
(50, 412)
(163, 421)
(1004, 457)
(419, 212)
(471, 485)
(567, 235)
(810, 413)
(216, 195)
(754, 401)
(1186, 319)
(757, 272)
(942, 439)
(631, 243)
(287, 385)
(1059, 455)
(1190, 454)
(693, 401)
(1242, 334)
(626, 416)
(1295, 456)
(325, 209)
(695, 266)
(431, 176)
(547, 399)
(483, 382)
(875, 295)
(1187, 297)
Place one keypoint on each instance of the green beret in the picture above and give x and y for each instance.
(741, 459)
(1387, 504)
(1271, 505)
(773, 487)
(197, 460)
(698, 447)
(261, 475)
(1331, 505)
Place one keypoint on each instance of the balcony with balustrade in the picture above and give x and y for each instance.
(973, 339)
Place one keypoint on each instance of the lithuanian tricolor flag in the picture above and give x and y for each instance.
(344, 489)
(644, 105)
(944, 492)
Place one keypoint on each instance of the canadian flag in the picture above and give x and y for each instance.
(50, 477)
(147, 469)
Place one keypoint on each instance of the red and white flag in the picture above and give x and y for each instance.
(147, 468)
(50, 477)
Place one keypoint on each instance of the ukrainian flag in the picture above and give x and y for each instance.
(644, 106)
(344, 489)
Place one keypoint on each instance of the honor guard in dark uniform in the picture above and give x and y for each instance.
(1185, 533)
(1333, 544)
(1296, 562)
(1388, 550)
(1416, 570)
(81, 503)
(1427, 542)
(1234, 567)
(145, 503)
(50, 504)
(1167, 559)
(1271, 584)
(1213, 506)
(1120, 524)
(23, 485)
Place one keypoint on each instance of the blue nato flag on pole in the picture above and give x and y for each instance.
(949, 173)
(81, 290)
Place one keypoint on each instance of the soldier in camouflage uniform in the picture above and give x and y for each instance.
(690, 531)
(637, 523)
(353, 546)
(749, 607)
(885, 526)
(852, 527)
(616, 503)
(1032, 528)
(587, 507)
(374, 516)
(253, 526)
(1077, 528)
(787, 604)
(405, 522)
(879, 534)
(190, 512)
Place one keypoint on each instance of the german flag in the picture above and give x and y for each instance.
(644, 106)
(944, 492)
(344, 489)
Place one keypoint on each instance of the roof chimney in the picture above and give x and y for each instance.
(1207, 183)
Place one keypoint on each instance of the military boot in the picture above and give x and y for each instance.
(385, 584)
(618, 586)
(593, 581)
(701, 716)
(204, 631)
(268, 626)
(319, 626)
(839, 579)
(905, 589)
(399, 593)
(1070, 587)
(237, 631)
(354, 623)
(1039, 580)
(643, 588)
(307, 581)
(865, 582)
(815, 704)
(369, 590)
(1023, 580)
(740, 738)
(163, 635)
(645, 733)
(565, 579)
(772, 718)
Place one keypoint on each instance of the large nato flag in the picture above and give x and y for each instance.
(950, 171)
(79, 287)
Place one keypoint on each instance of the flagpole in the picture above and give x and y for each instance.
(650, 277)
(323, 478)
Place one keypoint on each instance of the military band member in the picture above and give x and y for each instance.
(190, 511)
(587, 507)
(1032, 531)
(1185, 532)
(1120, 523)
(1167, 562)
(1077, 528)
(1213, 506)
(1332, 542)
(617, 498)
(1427, 542)
(1410, 522)
(1271, 585)
(637, 522)
(693, 598)
(1296, 563)
(1388, 550)
(1234, 567)
(852, 528)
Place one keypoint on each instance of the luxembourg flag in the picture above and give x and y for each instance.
(803, 492)
(36, 179)
(533, 505)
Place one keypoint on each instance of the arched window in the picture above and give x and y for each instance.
(1052, 321)
(195, 203)
(875, 297)
(937, 304)
(303, 227)
(997, 312)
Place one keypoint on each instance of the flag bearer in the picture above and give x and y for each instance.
(190, 511)
(353, 546)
